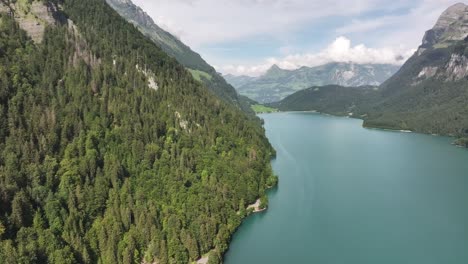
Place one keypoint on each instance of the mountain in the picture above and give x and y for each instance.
(450, 28)
(278, 83)
(429, 94)
(430, 91)
(330, 99)
(199, 68)
(110, 150)
(238, 80)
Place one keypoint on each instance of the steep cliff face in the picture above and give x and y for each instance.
(450, 27)
(455, 69)
(428, 94)
(442, 54)
(430, 91)
(33, 17)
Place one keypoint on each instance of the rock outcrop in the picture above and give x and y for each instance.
(451, 26)
(33, 17)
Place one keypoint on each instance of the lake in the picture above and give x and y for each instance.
(350, 195)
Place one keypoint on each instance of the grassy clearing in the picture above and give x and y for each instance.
(198, 75)
(260, 109)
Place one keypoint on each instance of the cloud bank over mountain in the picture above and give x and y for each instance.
(248, 36)
(341, 50)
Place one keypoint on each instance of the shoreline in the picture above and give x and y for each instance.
(392, 130)
(256, 207)
(455, 140)
(254, 241)
(203, 259)
(250, 209)
(269, 188)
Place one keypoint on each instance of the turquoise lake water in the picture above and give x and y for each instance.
(350, 195)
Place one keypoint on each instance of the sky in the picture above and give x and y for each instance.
(246, 37)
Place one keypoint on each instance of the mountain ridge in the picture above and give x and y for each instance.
(278, 83)
(450, 27)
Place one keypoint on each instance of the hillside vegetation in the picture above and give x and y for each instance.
(331, 99)
(170, 44)
(110, 151)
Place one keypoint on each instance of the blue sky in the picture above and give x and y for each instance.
(248, 36)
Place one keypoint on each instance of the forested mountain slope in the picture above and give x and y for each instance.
(110, 152)
(199, 68)
(330, 99)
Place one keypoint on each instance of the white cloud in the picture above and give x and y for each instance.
(404, 29)
(170, 26)
(341, 50)
(217, 21)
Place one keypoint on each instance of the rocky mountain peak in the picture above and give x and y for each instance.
(451, 26)
(274, 71)
(275, 67)
(451, 15)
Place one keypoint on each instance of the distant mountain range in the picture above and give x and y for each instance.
(170, 44)
(278, 83)
(428, 94)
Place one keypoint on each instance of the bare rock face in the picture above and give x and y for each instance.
(138, 16)
(452, 15)
(457, 68)
(82, 51)
(451, 26)
(35, 22)
(33, 17)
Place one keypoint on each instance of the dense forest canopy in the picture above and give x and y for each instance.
(174, 47)
(110, 151)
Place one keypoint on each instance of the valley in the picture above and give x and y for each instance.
(119, 143)
(428, 94)
(277, 83)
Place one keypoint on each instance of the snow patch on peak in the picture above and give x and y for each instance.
(347, 75)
